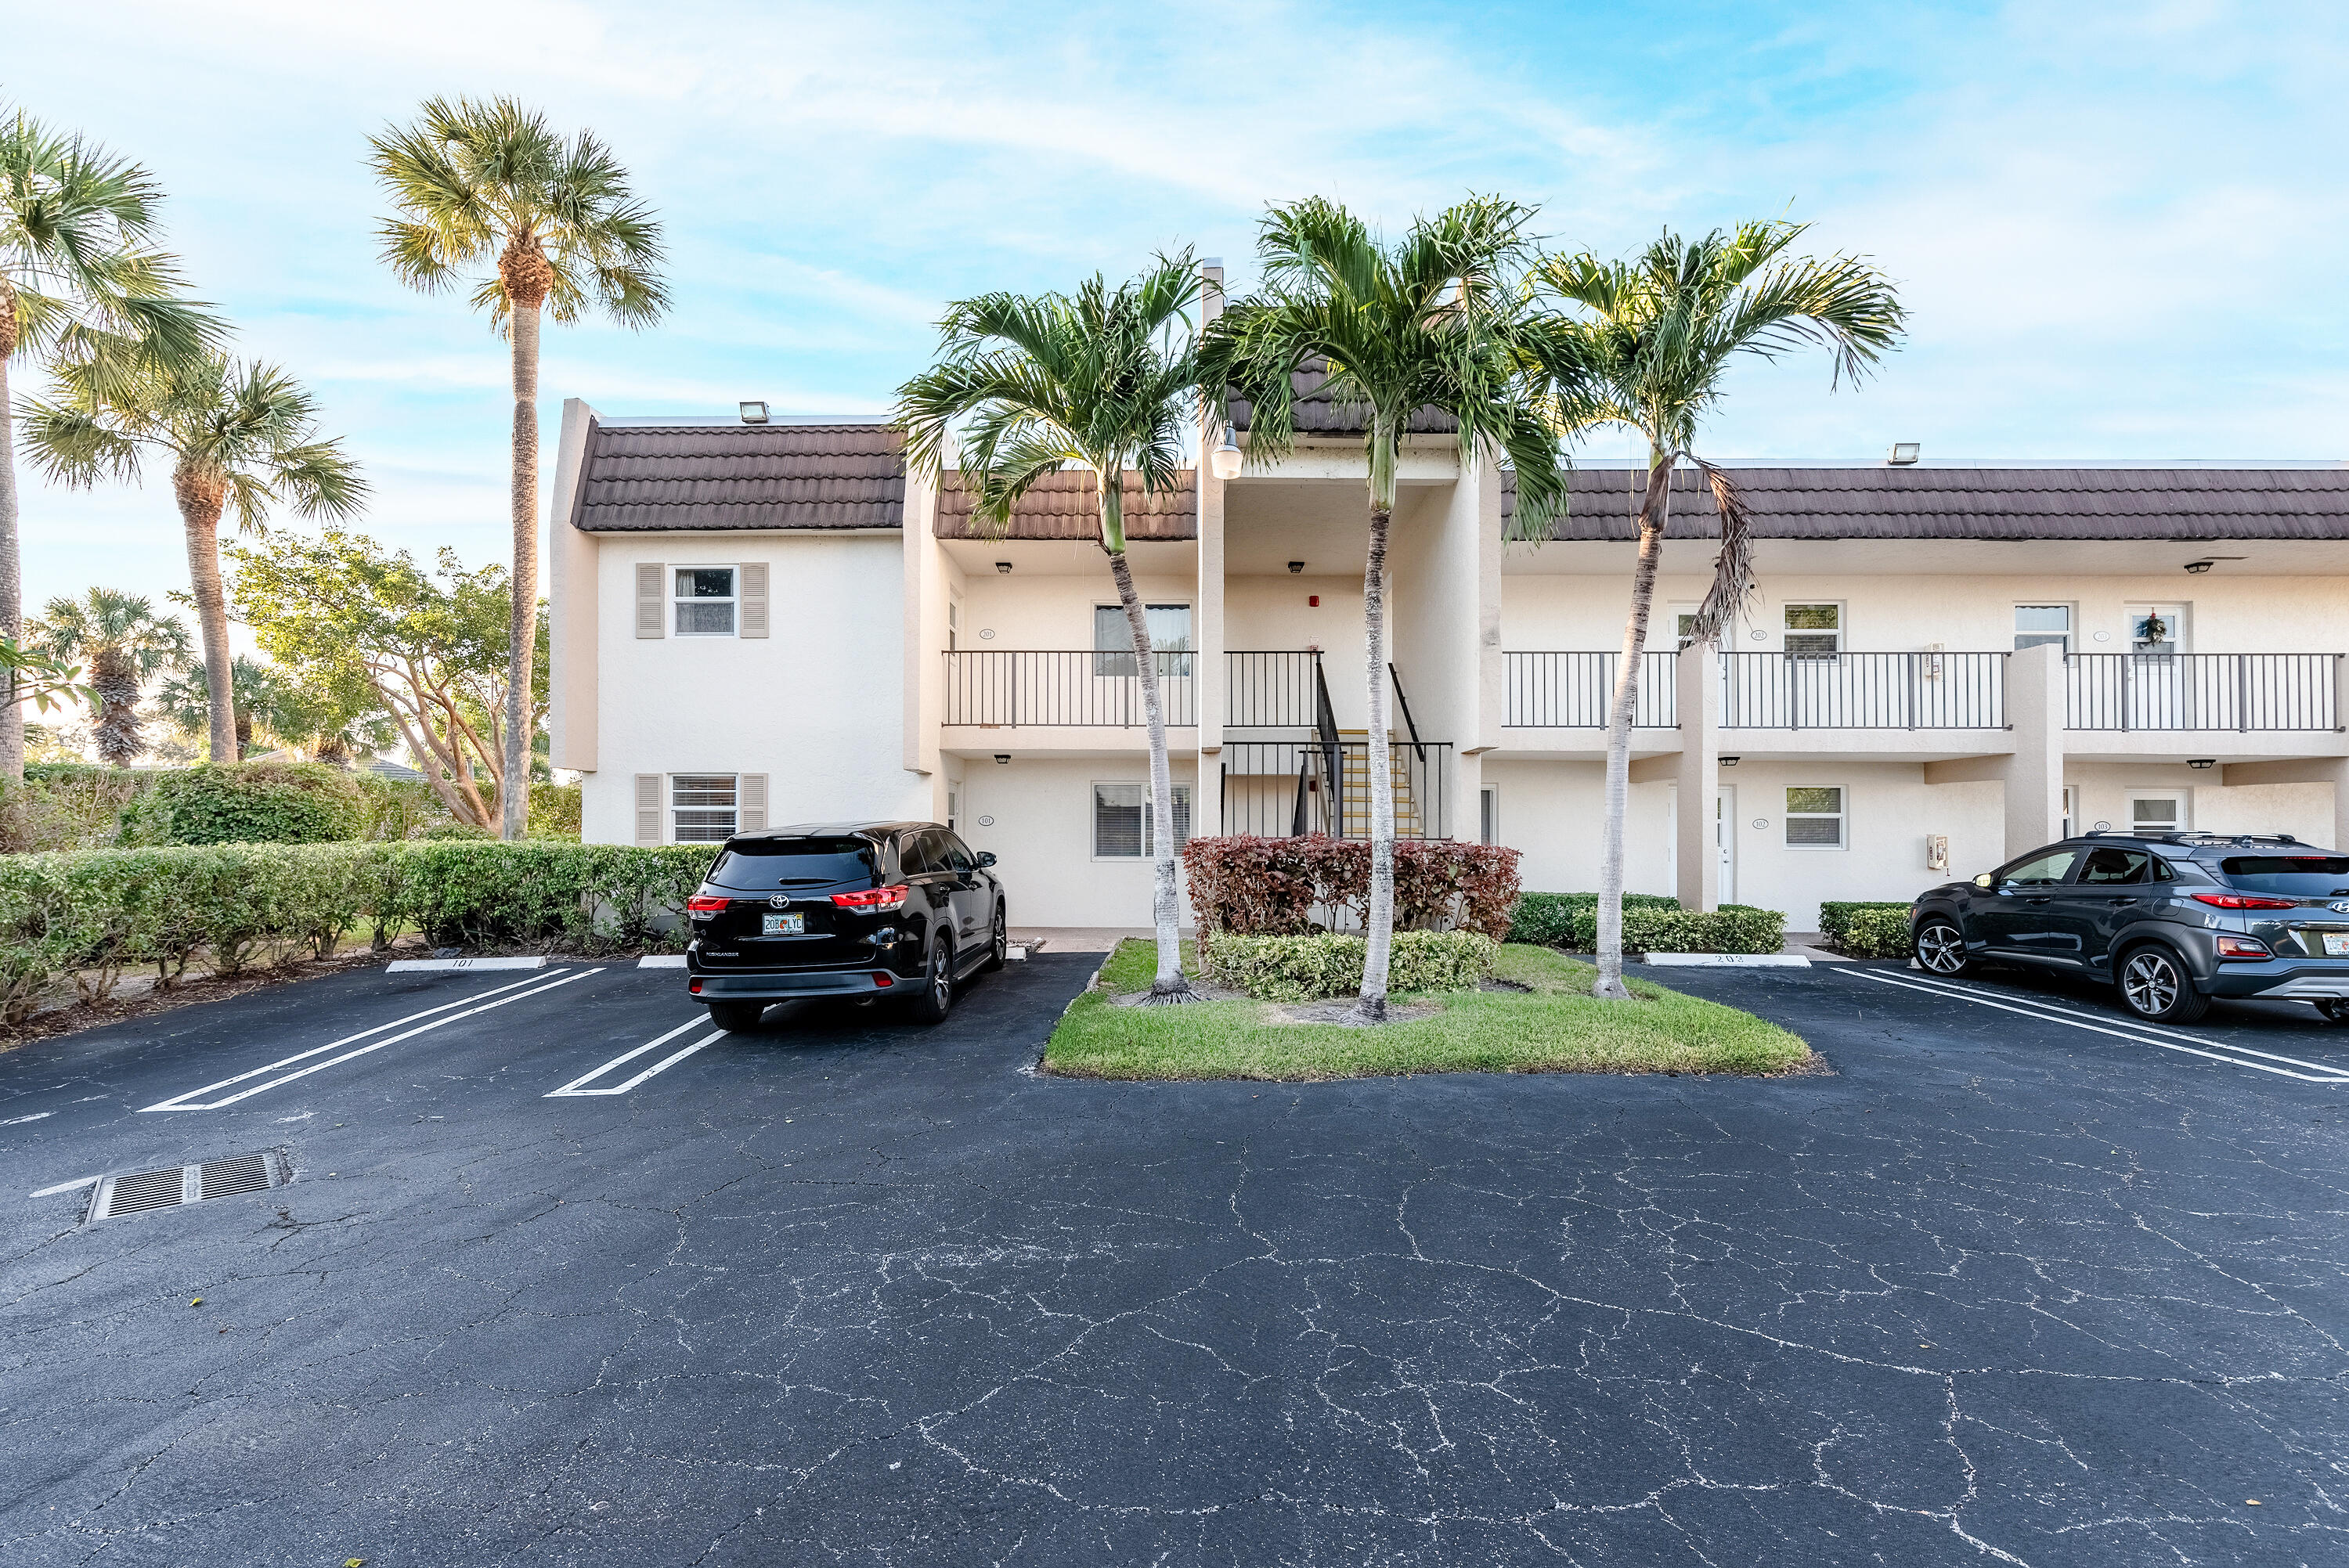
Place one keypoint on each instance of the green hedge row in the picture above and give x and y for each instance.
(1877, 931)
(95, 913)
(1299, 969)
(1837, 918)
(1732, 928)
(1546, 919)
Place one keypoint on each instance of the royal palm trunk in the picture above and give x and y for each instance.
(200, 496)
(513, 793)
(12, 585)
(1655, 511)
(115, 681)
(1378, 932)
(1165, 909)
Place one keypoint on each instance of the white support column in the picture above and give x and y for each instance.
(1696, 698)
(573, 607)
(924, 637)
(2034, 774)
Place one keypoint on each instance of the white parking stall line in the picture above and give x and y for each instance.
(475, 1004)
(2137, 1025)
(2217, 1051)
(574, 1089)
(64, 1186)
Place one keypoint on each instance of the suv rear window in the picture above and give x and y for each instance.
(803, 863)
(2308, 876)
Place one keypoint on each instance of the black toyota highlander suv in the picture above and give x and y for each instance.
(843, 909)
(2171, 919)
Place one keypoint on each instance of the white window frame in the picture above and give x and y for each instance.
(1842, 618)
(1126, 649)
(2185, 799)
(1841, 818)
(2071, 808)
(733, 601)
(1185, 811)
(1678, 612)
(675, 783)
(1488, 812)
(2070, 623)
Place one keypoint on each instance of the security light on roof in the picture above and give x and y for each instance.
(1903, 453)
(1226, 458)
(753, 413)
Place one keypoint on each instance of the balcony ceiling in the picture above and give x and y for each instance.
(1071, 557)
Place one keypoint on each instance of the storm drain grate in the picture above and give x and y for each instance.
(180, 1184)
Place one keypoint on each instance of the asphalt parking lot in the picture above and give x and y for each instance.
(558, 1279)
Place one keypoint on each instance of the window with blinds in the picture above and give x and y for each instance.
(703, 807)
(1814, 631)
(705, 598)
(1121, 820)
(1170, 637)
(1815, 817)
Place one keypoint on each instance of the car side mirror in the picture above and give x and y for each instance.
(1985, 880)
(986, 859)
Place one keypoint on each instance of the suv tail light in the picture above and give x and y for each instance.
(2244, 901)
(705, 904)
(875, 900)
(2244, 947)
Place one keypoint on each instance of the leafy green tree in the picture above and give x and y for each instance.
(1103, 381)
(124, 643)
(240, 436)
(489, 185)
(328, 725)
(80, 281)
(1429, 322)
(369, 628)
(1646, 344)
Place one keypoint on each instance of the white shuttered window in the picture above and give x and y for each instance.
(1122, 824)
(703, 807)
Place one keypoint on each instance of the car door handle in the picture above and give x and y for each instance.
(2038, 901)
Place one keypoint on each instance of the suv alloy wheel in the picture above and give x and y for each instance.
(999, 942)
(2156, 986)
(938, 985)
(1941, 948)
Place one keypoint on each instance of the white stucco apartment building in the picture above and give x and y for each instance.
(1946, 664)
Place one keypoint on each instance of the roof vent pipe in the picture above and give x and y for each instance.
(1903, 454)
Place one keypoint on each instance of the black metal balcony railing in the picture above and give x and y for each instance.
(1864, 691)
(1019, 688)
(1270, 689)
(1576, 691)
(1279, 788)
(2202, 691)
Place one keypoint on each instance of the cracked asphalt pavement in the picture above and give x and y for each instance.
(2000, 1288)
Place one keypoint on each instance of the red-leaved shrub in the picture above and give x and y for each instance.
(1270, 887)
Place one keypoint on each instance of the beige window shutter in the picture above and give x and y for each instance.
(750, 803)
(752, 590)
(652, 599)
(649, 809)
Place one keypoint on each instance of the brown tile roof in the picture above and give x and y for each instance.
(2149, 503)
(1313, 414)
(1067, 505)
(646, 477)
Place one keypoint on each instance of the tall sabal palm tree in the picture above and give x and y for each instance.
(80, 280)
(1105, 380)
(123, 644)
(1429, 322)
(490, 186)
(1646, 344)
(241, 437)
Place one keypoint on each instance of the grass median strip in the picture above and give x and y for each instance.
(1554, 1025)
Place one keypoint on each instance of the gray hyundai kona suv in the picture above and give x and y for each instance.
(2171, 919)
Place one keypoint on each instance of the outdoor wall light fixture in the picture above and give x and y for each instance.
(1004, 567)
(1903, 454)
(1226, 462)
(753, 413)
(1295, 567)
(1729, 761)
(2200, 567)
(1003, 757)
(2201, 762)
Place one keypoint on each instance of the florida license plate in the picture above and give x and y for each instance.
(2337, 944)
(782, 925)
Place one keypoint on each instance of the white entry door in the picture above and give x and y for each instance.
(1724, 841)
(2160, 690)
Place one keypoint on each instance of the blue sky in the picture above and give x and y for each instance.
(2119, 227)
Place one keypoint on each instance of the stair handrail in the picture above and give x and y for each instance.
(1325, 723)
(1403, 703)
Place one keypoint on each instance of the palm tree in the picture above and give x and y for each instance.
(1646, 344)
(123, 644)
(80, 279)
(1101, 381)
(240, 436)
(1427, 323)
(487, 185)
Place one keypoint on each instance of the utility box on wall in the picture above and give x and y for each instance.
(1936, 851)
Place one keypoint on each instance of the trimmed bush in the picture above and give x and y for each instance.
(555, 812)
(1546, 919)
(67, 805)
(1732, 928)
(99, 912)
(1300, 968)
(248, 803)
(1877, 931)
(1256, 886)
(1835, 918)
